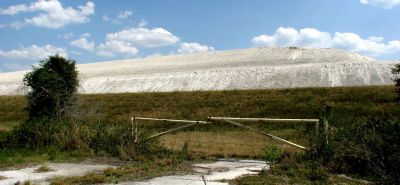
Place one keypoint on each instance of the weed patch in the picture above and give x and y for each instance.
(272, 153)
(44, 168)
(367, 149)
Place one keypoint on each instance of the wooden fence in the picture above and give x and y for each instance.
(233, 121)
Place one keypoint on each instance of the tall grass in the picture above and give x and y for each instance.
(346, 102)
(101, 125)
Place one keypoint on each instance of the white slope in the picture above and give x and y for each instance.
(255, 68)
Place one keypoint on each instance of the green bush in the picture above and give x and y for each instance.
(369, 149)
(272, 153)
(313, 172)
(53, 85)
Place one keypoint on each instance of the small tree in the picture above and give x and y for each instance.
(53, 86)
(396, 72)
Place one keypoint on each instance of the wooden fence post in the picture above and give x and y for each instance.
(136, 128)
(132, 128)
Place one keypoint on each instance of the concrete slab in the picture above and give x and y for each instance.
(215, 173)
(60, 169)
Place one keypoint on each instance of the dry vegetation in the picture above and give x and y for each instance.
(220, 139)
(347, 102)
(224, 144)
(44, 168)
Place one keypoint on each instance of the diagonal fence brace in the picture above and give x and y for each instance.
(169, 131)
(265, 134)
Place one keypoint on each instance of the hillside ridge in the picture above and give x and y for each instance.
(254, 68)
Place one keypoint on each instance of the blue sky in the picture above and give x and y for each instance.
(101, 30)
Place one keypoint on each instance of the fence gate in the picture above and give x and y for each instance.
(233, 121)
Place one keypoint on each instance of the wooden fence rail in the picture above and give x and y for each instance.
(225, 119)
(265, 119)
(172, 120)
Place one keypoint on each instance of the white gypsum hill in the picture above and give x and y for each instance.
(255, 68)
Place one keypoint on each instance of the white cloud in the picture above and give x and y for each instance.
(376, 39)
(17, 25)
(143, 37)
(282, 37)
(51, 14)
(67, 35)
(127, 41)
(33, 52)
(387, 4)
(142, 23)
(193, 47)
(313, 38)
(86, 35)
(105, 18)
(119, 18)
(83, 43)
(112, 48)
(25, 57)
(124, 14)
(15, 9)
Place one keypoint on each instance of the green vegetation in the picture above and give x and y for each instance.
(365, 149)
(347, 103)
(363, 131)
(50, 104)
(133, 172)
(272, 153)
(22, 157)
(28, 182)
(53, 86)
(299, 173)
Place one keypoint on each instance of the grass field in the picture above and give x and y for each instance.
(349, 102)
(219, 139)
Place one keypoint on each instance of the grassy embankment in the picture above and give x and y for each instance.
(348, 103)
(219, 139)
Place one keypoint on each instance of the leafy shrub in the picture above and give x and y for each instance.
(313, 172)
(369, 149)
(53, 86)
(272, 153)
